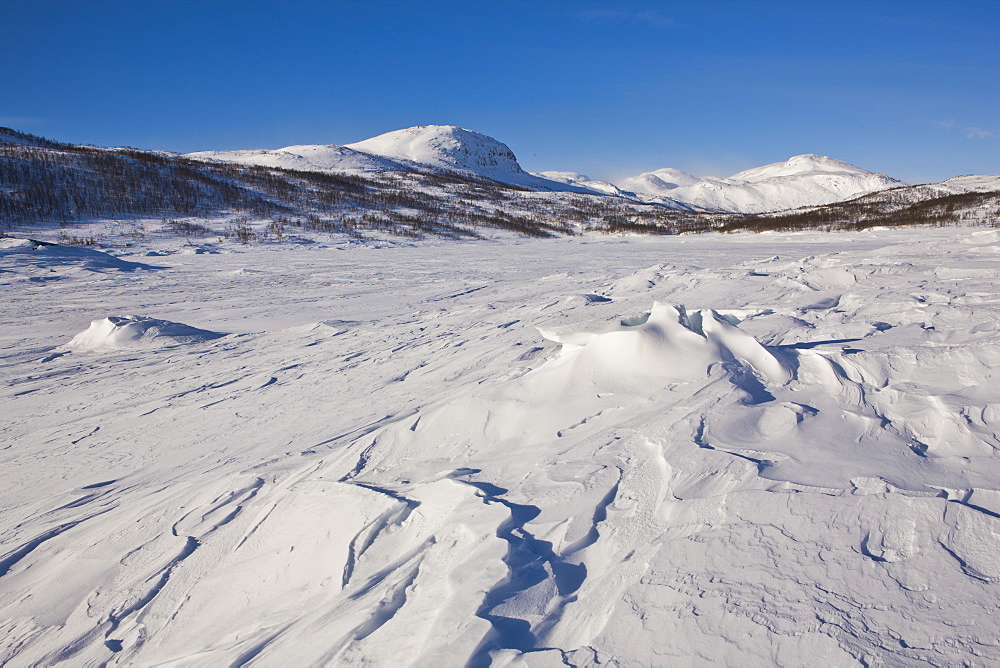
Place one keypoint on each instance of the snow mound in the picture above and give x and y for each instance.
(127, 331)
(803, 180)
(42, 255)
(669, 345)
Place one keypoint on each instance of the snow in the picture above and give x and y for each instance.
(659, 181)
(775, 449)
(971, 183)
(421, 148)
(127, 331)
(803, 180)
(309, 158)
(582, 181)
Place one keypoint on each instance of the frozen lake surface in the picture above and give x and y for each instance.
(694, 450)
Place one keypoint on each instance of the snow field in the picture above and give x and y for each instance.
(770, 449)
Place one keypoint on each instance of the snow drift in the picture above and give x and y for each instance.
(135, 330)
(666, 345)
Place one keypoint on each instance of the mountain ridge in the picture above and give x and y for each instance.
(802, 180)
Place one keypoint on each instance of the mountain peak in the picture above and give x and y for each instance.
(446, 146)
(799, 165)
(802, 180)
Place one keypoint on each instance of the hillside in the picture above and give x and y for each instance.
(46, 184)
(424, 149)
(803, 180)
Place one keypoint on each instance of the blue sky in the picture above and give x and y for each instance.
(610, 89)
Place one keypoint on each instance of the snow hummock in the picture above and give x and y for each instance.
(115, 332)
(803, 180)
(669, 344)
(53, 258)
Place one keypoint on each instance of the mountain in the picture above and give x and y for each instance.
(424, 148)
(454, 190)
(307, 158)
(803, 180)
(14, 137)
(970, 183)
(659, 181)
(582, 181)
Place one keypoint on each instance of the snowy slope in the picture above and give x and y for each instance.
(659, 181)
(803, 180)
(457, 149)
(971, 183)
(421, 148)
(744, 450)
(310, 158)
(582, 181)
(15, 137)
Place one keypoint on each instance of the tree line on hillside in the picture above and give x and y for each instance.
(42, 181)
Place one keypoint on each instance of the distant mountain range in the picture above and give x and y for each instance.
(803, 180)
(452, 182)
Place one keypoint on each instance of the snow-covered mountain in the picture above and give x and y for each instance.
(583, 181)
(307, 158)
(659, 181)
(420, 148)
(803, 180)
(977, 183)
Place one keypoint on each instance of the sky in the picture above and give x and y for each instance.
(609, 89)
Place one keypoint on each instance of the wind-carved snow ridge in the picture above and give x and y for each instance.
(668, 345)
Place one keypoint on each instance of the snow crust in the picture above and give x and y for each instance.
(694, 450)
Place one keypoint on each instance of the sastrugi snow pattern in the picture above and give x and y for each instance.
(771, 449)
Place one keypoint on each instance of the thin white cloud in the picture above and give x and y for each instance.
(944, 124)
(978, 133)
